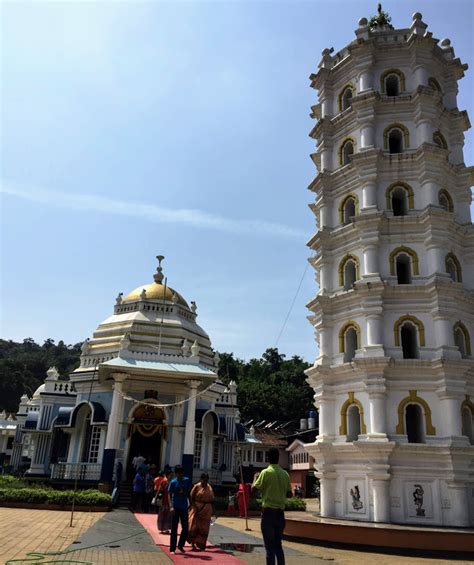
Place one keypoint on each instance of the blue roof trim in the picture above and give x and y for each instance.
(64, 415)
(223, 425)
(99, 415)
(201, 412)
(31, 421)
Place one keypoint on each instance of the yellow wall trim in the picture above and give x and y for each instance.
(345, 407)
(409, 190)
(413, 398)
(411, 253)
(418, 323)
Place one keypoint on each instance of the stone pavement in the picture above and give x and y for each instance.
(121, 540)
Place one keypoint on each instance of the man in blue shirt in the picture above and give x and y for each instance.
(179, 490)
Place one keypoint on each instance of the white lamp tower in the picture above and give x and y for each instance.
(394, 315)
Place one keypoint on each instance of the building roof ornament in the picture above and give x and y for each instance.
(158, 276)
(381, 21)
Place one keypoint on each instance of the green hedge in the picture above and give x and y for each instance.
(34, 495)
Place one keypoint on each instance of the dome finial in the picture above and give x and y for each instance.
(158, 276)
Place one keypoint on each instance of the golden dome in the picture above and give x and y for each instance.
(155, 291)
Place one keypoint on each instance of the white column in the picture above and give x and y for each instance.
(430, 191)
(370, 260)
(191, 418)
(377, 410)
(421, 75)
(324, 216)
(324, 276)
(366, 80)
(326, 418)
(369, 195)
(367, 135)
(374, 329)
(326, 158)
(424, 131)
(325, 345)
(436, 259)
(452, 420)
(116, 413)
(328, 486)
(381, 495)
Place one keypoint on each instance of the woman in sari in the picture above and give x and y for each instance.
(200, 513)
(164, 514)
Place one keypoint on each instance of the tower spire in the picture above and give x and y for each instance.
(158, 276)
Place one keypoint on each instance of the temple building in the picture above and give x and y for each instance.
(394, 256)
(147, 385)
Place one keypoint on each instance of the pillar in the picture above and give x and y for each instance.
(327, 505)
(112, 440)
(381, 497)
(436, 259)
(421, 75)
(324, 276)
(424, 131)
(369, 195)
(377, 409)
(366, 81)
(324, 216)
(430, 191)
(367, 135)
(370, 260)
(452, 417)
(374, 329)
(325, 346)
(326, 159)
(326, 418)
(190, 429)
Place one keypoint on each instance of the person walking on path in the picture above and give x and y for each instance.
(164, 514)
(274, 485)
(139, 491)
(200, 513)
(179, 490)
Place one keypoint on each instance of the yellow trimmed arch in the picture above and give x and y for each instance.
(413, 398)
(345, 407)
(405, 186)
(343, 202)
(416, 322)
(345, 141)
(411, 253)
(467, 338)
(385, 74)
(343, 330)
(342, 264)
(440, 140)
(434, 84)
(403, 129)
(348, 86)
(444, 193)
(467, 403)
(451, 257)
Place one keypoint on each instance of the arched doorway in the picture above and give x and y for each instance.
(146, 433)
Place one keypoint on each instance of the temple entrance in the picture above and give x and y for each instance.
(146, 433)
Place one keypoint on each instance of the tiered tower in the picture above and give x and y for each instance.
(394, 380)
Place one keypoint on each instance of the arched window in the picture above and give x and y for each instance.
(395, 141)
(353, 423)
(453, 267)
(346, 152)
(434, 84)
(348, 271)
(392, 82)
(467, 419)
(404, 264)
(439, 140)
(403, 268)
(350, 344)
(409, 334)
(409, 420)
(462, 339)
(400, 198)
(414, 423)
(399, 201)
(352, 419)
(396, 138)
(345, 98)
(349, 340)
(445, 200)
(348, 210)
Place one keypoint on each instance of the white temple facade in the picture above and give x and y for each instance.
(394, 256)
(147, 385)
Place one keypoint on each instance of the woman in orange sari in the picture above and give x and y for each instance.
(200, 513)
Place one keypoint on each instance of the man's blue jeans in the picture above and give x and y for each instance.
(273, 524)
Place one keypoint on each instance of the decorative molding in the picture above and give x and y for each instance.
(413, 398)
(408, 251)
(406, 187)
(403, 129)
(342, 331)
(342, 264)
(418, 323)
(388, 72)
(351, 401)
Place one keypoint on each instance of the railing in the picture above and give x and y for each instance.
(79, 471)
(215, 476)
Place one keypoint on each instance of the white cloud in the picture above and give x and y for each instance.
(151, 212)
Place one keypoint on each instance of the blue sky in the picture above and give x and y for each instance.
(131, 129)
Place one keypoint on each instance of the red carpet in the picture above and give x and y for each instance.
(212, 554)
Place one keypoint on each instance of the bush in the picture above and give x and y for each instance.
(35, 495)
(256, 503)
(295, 504)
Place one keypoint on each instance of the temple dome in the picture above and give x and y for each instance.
(155, 291)
(38, 391)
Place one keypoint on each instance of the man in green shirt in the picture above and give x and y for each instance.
(274, 486)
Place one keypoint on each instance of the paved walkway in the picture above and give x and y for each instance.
(118, 538)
